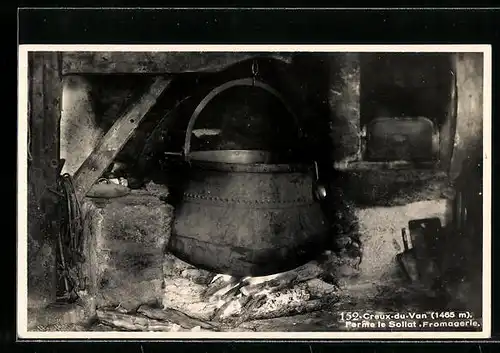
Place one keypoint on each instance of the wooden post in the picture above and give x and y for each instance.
(116, 138)
(344, 99)
(466, 240)
(447, 132)
(45, 113)
(469, 124)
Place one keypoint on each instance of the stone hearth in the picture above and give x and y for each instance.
(134, 285)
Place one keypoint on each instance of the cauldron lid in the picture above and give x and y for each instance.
(235, 156)
(248, 161)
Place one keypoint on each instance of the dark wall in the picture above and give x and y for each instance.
(396, 85)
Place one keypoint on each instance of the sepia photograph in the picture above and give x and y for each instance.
(254, 192)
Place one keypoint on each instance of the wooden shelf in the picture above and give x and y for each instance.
(392, 165)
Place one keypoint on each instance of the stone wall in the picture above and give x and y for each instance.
(80, 130)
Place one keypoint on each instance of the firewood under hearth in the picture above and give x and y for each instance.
(196, 299)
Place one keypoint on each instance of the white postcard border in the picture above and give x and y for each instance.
(22, 170)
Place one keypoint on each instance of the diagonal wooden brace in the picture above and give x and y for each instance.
(116, 138)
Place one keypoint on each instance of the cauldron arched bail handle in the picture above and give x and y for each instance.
(249, 82)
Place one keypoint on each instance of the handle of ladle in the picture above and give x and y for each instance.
(319, 188)
(404, 236)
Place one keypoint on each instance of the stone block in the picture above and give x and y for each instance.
(125, 239)
(57, 317)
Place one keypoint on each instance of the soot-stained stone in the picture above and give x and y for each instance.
(125, 239)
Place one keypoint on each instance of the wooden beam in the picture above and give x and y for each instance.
(344, 101)
(469, 114)
(116, 138)
(45, 104)
(45, 114)
(156, 62)
(447, 131)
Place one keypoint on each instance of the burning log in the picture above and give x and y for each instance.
(289, 310)
(285, 294)
(222, 287)
(130, 322)
(195, 297)
(272, 283)
(186, 296)
(190, 290)
(292, 301)
(231, 308)
(177, 317)
(282, 280)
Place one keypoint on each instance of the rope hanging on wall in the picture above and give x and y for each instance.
(70, 241)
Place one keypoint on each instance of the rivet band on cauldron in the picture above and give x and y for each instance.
(262, 202)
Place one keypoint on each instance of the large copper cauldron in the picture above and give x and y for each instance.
(242, 211)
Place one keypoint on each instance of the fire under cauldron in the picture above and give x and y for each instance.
(248, 212)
